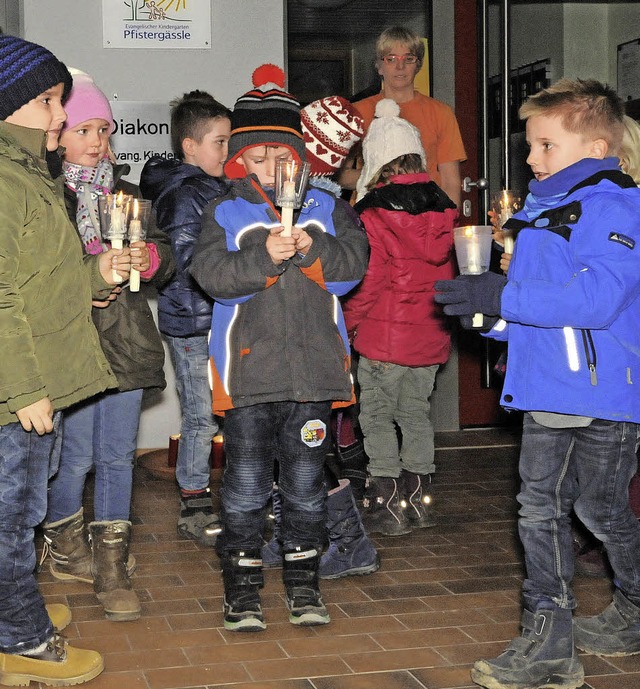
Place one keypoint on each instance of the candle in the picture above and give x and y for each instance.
(289, 191)
(116, 232)
(135, 235)
(473, 253)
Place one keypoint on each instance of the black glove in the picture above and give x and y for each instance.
(469, 294)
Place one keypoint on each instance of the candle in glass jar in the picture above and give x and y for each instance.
(473, 253)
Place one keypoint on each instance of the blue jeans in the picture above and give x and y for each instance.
(100, 433)
(24, 468)
(190, 357)
(588, 470)
(296, 435)
(391, 394)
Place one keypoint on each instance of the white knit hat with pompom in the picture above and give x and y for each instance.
(389, 137)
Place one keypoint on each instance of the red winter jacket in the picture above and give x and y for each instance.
(410, 228)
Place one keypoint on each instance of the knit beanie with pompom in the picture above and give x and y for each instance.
(27, 70)
(389, 137)
(265, 116)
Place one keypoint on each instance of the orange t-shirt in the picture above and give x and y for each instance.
(436, 123)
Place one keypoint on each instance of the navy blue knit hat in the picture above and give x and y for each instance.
(265, 116)
(27, 70)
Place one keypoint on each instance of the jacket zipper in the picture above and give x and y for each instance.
(590, 353)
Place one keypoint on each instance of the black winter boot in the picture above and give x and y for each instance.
(350, 550)
(614, 632)
(384, 511)
(197, 519)
(272, 550)
(544, 656)
(110, 553)
(354, 463)
(300, 576)
(243, 579)
(417, 495)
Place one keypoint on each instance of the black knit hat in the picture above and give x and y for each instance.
(264, 116)
(26, 71)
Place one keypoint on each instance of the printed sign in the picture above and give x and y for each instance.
(142, 131)
(156, 23)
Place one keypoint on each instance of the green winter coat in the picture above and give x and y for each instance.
(48, 344)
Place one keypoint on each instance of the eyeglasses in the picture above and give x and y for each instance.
(393, 59)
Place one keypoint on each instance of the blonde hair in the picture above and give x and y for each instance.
(407, 164)
(585, 106)
(398, 34)
(629, 152)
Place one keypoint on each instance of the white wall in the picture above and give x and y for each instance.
(244, 33)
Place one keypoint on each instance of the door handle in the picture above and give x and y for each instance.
(468, 183)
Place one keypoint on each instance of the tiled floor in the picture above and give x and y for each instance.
(442, 598)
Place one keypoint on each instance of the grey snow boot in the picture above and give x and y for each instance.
(350, 550)
(111, 583)
(243, 579)
(197, 519)
(416, 490)
(614, 632)
(544, 656)
(300, 576)
(272, 549)
(384, 512)
(67, 542)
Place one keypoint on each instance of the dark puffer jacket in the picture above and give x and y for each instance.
(179, 192)
(128, 334)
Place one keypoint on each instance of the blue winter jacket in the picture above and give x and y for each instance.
(571, 305)
(278, 332)
(179, 192)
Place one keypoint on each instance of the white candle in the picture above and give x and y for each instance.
(473, 255)
(289, 191)
(116, 243)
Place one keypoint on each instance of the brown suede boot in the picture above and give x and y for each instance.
(110, 549)
(67, 543)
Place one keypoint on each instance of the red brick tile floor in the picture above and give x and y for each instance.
(443, 598)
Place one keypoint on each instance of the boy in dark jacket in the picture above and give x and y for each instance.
(280, 355)
(570, 308)
(179, 189)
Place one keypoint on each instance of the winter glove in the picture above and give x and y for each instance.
(469, 294)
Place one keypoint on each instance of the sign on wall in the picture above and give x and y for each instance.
(142, 131)
(156, 23)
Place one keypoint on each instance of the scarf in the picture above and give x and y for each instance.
(88, 183)
(549, 192)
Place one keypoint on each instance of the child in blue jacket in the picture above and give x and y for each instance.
(570, 309)
(279, 350)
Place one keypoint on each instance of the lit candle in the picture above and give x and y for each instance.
(117, 229)
(473, 253)
(135, 235)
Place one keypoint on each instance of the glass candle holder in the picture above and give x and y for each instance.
(473, 252)
(114, 210)
(504, 204)
(138, 225)
(290, 187)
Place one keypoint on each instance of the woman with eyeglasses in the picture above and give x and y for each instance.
(399, 56)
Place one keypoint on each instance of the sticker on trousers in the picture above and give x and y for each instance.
(313, 433)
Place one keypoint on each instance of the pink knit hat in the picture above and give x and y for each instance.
(331, 126)
(87, 102)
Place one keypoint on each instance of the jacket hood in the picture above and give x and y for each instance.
(160, 175)
(414, 194)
